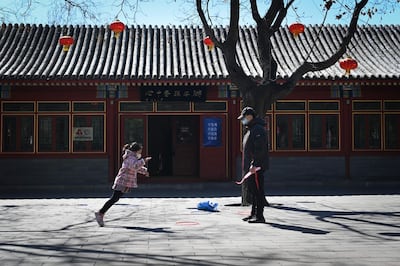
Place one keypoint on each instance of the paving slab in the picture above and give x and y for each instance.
(299, 230)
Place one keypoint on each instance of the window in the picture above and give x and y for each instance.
(367, 131)
(324, 131)
(290, 120)
(52, 126)
(290, 106)
(136, 106)
(133, 130)
(323, 122)
(367, 105)
(173, 106)
(290, 132)
(210, 106)
(88, 133)
(53, 107)
(18, 107)
(367, 125)
(392, 125)
(89, 107)
(53, 133)
(392, 131)
(17, 133)
(392, 105)
(323, 106)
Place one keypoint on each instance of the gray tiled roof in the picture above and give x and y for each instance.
(32, 52)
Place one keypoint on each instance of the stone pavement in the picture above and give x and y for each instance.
(300, 230)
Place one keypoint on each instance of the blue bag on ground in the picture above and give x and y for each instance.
(208, 206)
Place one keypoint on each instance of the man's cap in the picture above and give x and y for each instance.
(247, 111)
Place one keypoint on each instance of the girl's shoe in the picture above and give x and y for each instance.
(99, 218)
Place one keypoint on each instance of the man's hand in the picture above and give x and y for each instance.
(254, 169)
(147, 159)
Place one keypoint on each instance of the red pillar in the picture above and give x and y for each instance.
(346, 132)
(111, 131)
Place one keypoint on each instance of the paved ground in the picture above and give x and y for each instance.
(300, 230)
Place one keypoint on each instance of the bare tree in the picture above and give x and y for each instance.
(260, 93)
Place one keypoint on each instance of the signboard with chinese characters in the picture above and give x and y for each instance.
(174, 93)
(212, 132)
(83, 134)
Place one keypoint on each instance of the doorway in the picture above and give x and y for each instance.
(173, 142)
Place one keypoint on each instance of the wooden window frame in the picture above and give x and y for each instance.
(25, 114)
(135, 102)
(380, 114)
(90, 111)
(104, 133)
(53, 112)
(69, 132)
(210, 111)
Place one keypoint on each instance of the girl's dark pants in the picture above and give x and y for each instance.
(256, 188)
(114, 198)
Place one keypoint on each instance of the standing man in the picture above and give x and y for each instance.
(256, 161)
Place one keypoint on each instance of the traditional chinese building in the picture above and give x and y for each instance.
(66, 114)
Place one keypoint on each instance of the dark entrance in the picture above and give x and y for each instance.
(174, 145)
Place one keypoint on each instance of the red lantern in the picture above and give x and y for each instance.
(117, 27)
(296, 29)
(348, 64)
(66, 42)
(209, 43)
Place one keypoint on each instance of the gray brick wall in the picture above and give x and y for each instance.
(53, 172)
(375, 168)
(329, 169)
(318, 169)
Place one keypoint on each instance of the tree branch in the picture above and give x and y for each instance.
(274, 8)
(282, 14)
(254, 11)
(207, 28)
(287, 87)
(228, 47)
(233, 33)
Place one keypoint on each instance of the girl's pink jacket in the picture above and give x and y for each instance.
(127, 174)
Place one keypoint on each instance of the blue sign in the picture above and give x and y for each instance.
(212, 132)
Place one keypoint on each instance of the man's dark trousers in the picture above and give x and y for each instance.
(256, 188)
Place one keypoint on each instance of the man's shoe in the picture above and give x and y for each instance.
(256, 221)
(99, 218)
(248, 218)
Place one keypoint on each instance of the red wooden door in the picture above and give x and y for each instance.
(213, 147)
(185, 140)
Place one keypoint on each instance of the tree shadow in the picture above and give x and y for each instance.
(70, 254)
(152, 230)
(301, 229)
(339, 218)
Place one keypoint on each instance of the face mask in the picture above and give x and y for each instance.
(244, 121)
(139, 155)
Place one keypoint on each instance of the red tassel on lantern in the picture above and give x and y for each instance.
(66, 42)
(348, 64)
(209, 43)
(117, 27)
(296, 29)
